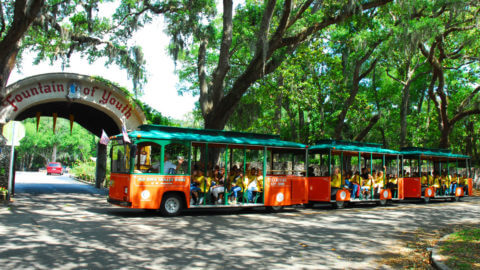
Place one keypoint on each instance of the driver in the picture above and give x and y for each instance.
(168, 166)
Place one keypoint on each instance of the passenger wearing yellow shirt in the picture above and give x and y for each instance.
(336, 179)
(424, 179)
(436, 183)
(379, 181)
(430, 179)
(237, 185)
(464, 184)
(253, 184)
(354, 185)
(204, 184)
(336, 182)
(392, 183)
(453, 184)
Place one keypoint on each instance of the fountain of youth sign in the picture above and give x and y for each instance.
(70, 88)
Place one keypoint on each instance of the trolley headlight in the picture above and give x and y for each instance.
(126, 190)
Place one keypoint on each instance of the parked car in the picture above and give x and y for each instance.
(54, 168)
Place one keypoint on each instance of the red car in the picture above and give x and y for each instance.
(54, 168)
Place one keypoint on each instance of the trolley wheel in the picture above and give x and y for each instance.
(48, 173)
(426, 199)
(171, 205)
(339, 204)
(382, 202)
(274, 209)
(457, 198)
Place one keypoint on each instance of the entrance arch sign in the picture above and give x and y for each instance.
(71, 93)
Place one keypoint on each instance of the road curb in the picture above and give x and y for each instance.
(104, 189)
(437, 258)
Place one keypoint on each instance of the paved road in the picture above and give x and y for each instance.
(80, 230)
(41, 183)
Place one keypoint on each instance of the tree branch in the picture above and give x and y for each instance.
(302, 36)
(202, 78)
(223, 59)
(367, 129)
(467, 100)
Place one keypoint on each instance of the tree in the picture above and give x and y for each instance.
(55, 30)
(15, 20)
(452, 53)
(251, 45)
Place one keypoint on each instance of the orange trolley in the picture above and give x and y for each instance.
(170, 169)
(430, 174)
(343, 172)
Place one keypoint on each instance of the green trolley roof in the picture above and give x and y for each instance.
(158, 132)
(431, 152)
(350, 146)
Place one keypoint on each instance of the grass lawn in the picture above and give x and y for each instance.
(462, 249)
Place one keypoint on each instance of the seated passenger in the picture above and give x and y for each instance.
(168, 166)
(237, 185)
(453, 184)
(392, 183)
(430, 179)
(464, 184)
(436, 183)
(366, 186)
(378, 182)
(355, 186)
(252, 184)
(424, 180)
(336, 182)
(218, 188)
(204, 184)
(194, 189)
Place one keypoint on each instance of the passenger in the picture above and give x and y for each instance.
(203, 184)
(366, 186)
(168, 166)
(424, 179)
(194, 189)
(218, 188)
(392, 183)
(430, 179)
(453, 184)
(464, 184)
(379, 182)
(448, 182)
(336, 182)
(355, 182)
(259, 182)
(252, 184)
(237, 185)
(436, 183)
(364, 174)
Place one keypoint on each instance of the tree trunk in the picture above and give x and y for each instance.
(24, 14)
(444, 136)
(301, 125)
(54, 153)
(403, 114)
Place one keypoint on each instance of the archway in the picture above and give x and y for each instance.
(93, 103)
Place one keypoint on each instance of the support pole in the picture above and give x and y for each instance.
(12, 158)
(101, 166)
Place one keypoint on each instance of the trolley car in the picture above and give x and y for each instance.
(342, 172)
(434, 174)
(170, 168)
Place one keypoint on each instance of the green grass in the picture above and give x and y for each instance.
(463, 249)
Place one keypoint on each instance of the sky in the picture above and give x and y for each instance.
(160, 92)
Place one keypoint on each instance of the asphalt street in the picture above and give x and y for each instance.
(56, 222)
